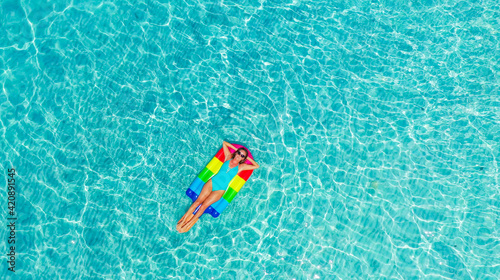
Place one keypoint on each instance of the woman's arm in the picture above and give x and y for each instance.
(253, 166)
(226, 146)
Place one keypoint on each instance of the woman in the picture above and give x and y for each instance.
(214, 189)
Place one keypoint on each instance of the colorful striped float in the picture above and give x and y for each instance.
(210, 170)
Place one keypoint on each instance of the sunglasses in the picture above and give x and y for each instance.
(241, 155)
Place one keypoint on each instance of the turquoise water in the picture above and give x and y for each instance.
(376, 125)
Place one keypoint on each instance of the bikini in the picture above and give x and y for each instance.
(221, 180)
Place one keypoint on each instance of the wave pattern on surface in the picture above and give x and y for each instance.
(376, 126)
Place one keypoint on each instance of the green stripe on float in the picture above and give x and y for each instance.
(205, 174)
(229, 194)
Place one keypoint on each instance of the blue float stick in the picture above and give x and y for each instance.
(197, 208)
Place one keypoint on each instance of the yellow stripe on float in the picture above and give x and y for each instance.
(214, 165)
(237, 183)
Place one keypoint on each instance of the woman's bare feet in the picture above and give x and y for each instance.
(184, 220)
(187, 226)
(188, 215)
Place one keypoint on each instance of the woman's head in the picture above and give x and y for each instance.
(241, 155)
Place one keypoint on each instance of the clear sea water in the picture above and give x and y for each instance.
(376, 123)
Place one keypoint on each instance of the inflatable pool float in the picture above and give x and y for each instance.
(232, 190)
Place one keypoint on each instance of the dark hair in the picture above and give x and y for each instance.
(241, 149)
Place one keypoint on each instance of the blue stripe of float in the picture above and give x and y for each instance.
(220, 205)
(195, 189)
(197, 185)
(212, 212)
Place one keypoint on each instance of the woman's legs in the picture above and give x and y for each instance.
(213, 197)
(205, 192)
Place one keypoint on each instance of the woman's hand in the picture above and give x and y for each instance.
(228, 145)
(227, 153)
(254, 165)
(253, 162)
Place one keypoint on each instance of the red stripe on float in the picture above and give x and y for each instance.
(245, 174)
(220, 155)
